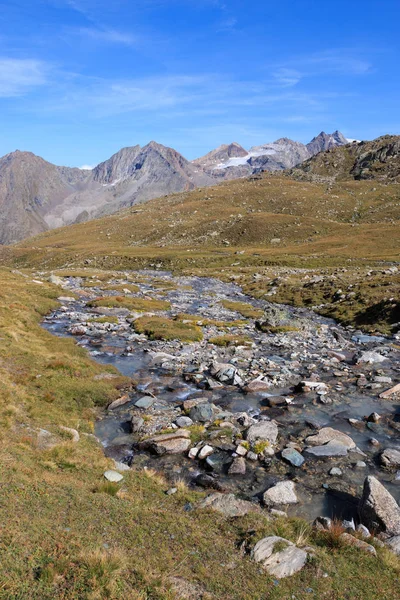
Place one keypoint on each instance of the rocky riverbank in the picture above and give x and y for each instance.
(278, 406)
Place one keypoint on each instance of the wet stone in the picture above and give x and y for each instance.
(293, 457)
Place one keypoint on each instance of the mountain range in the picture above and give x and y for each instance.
(36, 195)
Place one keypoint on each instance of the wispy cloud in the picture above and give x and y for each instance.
(111, 36)
(19, 76)
(340, 61)
(227, 25)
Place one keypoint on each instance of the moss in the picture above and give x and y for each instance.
(160, 328)
(231, 340)
(104, 319)
(259, 447)
(139, 304)
(245, 309)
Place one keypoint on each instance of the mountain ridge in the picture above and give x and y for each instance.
(36, 195)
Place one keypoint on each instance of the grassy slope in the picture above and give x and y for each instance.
(231, 230)
(64, 537)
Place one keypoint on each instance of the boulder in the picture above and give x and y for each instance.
(282, 563)
(350, 540)
(113, 476)
(394, 544)
(145, 402)
(238, 466)
(281, 494)
(184, 421)
(201, 412)
(171, 443)
(136, 423)
(378, 508)
(265, 431)
(370, 358)
(225, 373)
(328, 434)
(390, 458)
(331, 449)
(293, 457)
(228, 505)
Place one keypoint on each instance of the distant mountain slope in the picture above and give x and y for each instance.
(30, 188)
(378, 159)
(232, 161)
(36, 195)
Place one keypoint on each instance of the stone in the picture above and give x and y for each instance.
(113, 476)
(392, 392)
(228, 505)
(193, 452)
(241, 450)
(293, 457)
(238, 466)
(328, 434)
(201, 412)
(331, 449)
(394, 544)
(145, 402)
(365, 532)
(136, 423)
(205, 451)
(170, 443)
(280, 564)
(390, 458)
(252, 456)
(283, 493)
(370, 358)
(360, 464)
(184, 421)
(119, 402)
(350, 540)
(225, 373)
(257, 385)
(336, 472)
(265, 431)
(322, 523)
(56, 280)
(378, 508)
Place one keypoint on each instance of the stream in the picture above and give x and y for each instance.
(346, 372)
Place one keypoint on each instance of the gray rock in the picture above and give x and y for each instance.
(281, 494)
(336, 472)
(238, 466)
(365, 532)
(184, 421)
(390, 458)
(293, 457)
(328, 434)
(113, 476)
(394, 544)
(136, 423)
(228, 505)
(145, 402)
(350, 540)
(280, 564)
(331, 449)
(266, 431)
(371, 358)
(201, 412)
(226, 373)
(171, 443)
(378, 508)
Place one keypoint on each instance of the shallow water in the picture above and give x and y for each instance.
(302, 356)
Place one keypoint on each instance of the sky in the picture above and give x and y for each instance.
(79, 79)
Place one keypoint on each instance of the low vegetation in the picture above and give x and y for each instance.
(139, 304)
(160, 328)
(243, 308)
(231, 340)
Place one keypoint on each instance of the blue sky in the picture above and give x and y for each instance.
(80, 79)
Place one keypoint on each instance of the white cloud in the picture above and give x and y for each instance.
(19, 76)
(87, 167)
(111, 36)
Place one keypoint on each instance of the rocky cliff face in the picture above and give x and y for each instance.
(378, 159)
(232, 161)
